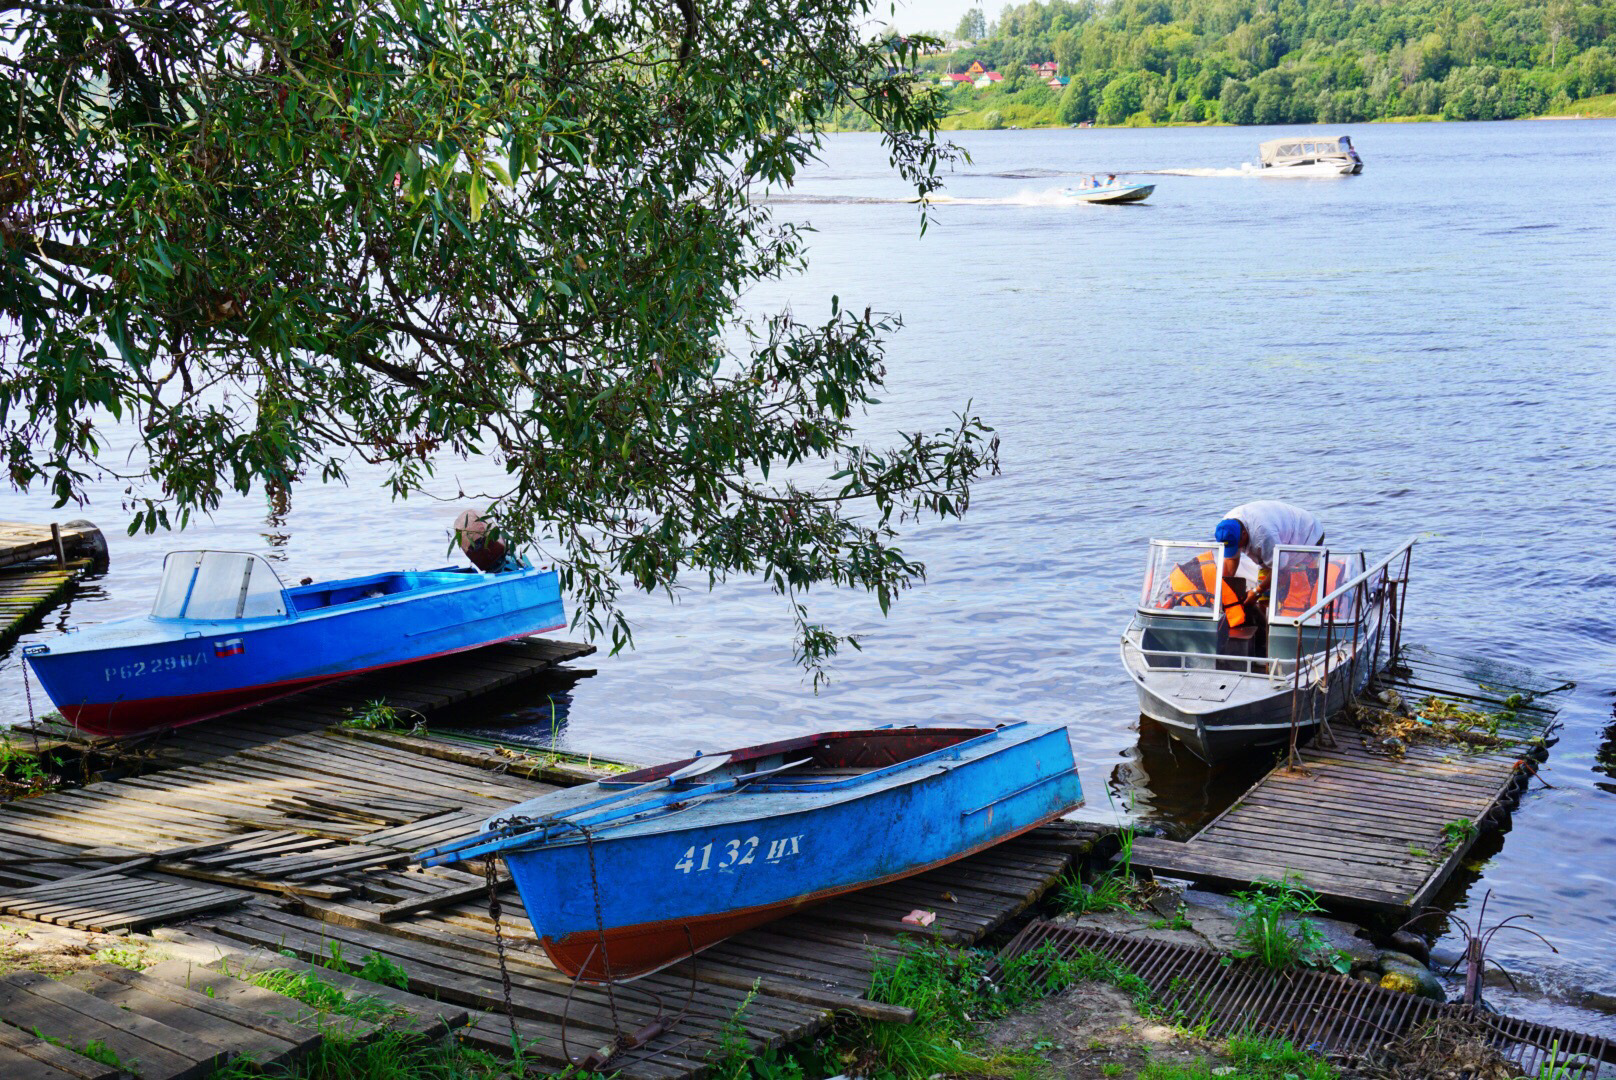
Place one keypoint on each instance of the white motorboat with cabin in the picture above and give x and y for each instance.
(1225, 680)
(1310, 155)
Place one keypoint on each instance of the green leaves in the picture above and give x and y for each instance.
(413, 232)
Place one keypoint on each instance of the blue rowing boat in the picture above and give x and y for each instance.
(224, 633)
(625, 876)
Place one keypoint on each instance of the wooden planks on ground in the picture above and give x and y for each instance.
(803, 968)
(116, 902)
(1359, 826)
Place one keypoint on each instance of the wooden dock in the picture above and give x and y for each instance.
(300, 841)
(22, 543)
(1371, 825)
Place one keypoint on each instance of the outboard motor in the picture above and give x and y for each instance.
(487, 553)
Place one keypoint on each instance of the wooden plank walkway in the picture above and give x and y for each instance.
(1364, 825)
(317, 826)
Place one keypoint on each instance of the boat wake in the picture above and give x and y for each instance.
(1244, 170)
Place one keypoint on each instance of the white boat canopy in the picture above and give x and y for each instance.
(1304, 148)
(218, 586)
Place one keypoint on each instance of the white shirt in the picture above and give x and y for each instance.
(1269, 522)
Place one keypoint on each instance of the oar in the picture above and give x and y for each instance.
(487, 843)
(695, 768)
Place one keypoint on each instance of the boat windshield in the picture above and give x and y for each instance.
(1183, 578)
(1298, 585)
(218, 585)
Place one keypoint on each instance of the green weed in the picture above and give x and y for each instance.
(122, 955)
(1273, 927)
(1418, 852)
(96, 1050)
(311, 990)
(393, 1056)
(377, 715)
(22, 771)
(379, 969)
(1114, 890)
(1458, 832)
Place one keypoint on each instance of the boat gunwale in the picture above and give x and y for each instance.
(631, 826)
(212, 627)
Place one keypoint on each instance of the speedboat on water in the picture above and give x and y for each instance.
(624, 876)
(1310, 156)
(1225, 680)
(1110, 193)
(224, 633)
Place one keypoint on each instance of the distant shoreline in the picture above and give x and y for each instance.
(1602, 107)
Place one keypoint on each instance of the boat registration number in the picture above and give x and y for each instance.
(728, 854)
(160, 666)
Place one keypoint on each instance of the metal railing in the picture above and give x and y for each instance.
(1377, 595)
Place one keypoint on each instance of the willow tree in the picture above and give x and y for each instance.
(275, 237)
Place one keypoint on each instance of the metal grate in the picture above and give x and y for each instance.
(1329, 1014)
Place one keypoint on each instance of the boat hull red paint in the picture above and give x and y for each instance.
(641, 950)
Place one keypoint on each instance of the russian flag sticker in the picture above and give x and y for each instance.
(231, 647)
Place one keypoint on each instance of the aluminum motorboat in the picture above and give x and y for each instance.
(1304, 155)
(1226, 674)
(1110, 194)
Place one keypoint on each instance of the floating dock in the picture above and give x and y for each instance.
(1370, 826)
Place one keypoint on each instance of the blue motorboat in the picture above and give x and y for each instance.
(224, 633)
(625, 876)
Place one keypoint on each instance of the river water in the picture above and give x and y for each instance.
(1428, 348)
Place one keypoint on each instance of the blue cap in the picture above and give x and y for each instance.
(1228, 534)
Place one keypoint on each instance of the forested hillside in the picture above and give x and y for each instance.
(1299, 61)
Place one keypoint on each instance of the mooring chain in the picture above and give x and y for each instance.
(600, 924)
(491, 872)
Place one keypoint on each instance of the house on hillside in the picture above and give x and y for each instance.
(976, 68)
(988, 78)
(1059, 82)
(954, 79)
(1049, 67)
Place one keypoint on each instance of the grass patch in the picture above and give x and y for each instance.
(1251, 1058)
(1114, 890)
(316, 993)
(952, 994)
(392, 1057)
(96, 1050)
(1274, 929)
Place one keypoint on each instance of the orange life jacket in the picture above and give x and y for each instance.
(1193, 583)
(1298, 593)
